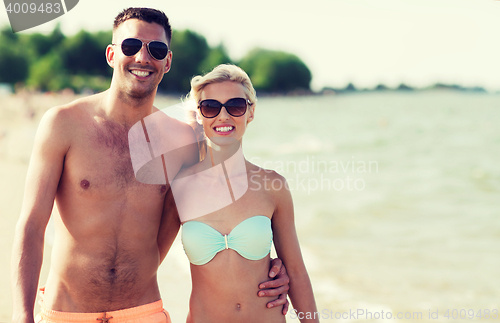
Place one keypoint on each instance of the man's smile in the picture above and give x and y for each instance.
(140, 73)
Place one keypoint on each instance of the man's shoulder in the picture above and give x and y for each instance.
(72, 111)
(164, 130)
(60, 124)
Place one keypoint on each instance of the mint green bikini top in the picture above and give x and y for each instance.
(251, 238)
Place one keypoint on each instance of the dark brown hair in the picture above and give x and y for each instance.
(145, 14)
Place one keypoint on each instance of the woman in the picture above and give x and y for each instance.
(231, 213)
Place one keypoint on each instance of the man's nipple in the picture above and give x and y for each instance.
(85, 184)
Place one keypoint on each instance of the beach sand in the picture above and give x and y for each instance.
(11, 190)
(19, 118)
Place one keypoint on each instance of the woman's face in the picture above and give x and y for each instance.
(225, 129)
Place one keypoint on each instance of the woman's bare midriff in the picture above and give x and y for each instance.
(225, 290)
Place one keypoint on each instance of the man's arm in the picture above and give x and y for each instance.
(44, 173)
(169, 225)
(170, 221)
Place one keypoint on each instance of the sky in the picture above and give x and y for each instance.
(366, 42)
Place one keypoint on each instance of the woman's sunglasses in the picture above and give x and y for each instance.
(157, 49)
(211, 108)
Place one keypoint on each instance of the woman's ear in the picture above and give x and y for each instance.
(110, 56)
(251, 113)
(198, 117)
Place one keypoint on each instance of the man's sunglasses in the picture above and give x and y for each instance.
(211, 108)
(157, 49)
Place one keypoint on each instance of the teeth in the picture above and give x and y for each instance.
(140, 73)
(224, 129)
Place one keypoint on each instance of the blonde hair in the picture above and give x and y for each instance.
(221, 73)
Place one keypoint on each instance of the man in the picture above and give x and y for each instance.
(112, 231)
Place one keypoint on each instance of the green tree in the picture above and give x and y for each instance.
(350, 88)
(84, 54)
(7, 34)
(189, 50)
(276, 71)
(53, 62)
(48, 74)
(404, 87)
(56, 37)
(14, 62)
(217, 55)
(381, 87)
(39, 44)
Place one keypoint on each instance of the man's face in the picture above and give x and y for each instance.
(137, 75)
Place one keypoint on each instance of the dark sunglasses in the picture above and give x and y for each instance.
(211, 108)
(157, 49)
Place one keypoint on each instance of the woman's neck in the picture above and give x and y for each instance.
(221, 153)
(231, 156)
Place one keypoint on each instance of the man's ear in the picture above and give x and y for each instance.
(110, 56)
(169, 62)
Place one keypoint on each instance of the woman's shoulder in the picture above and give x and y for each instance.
(272, 179)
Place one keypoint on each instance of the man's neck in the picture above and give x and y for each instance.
(122, 108)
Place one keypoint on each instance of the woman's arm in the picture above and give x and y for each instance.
(287, 247)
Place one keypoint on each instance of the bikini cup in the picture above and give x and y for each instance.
(251, 238)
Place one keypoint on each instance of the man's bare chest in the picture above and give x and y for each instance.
(99, 161)
(103, 155)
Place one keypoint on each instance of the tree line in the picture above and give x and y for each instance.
(55, 62)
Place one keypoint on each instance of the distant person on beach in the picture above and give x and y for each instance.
(112, 232)
(232, 210)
